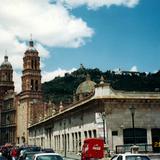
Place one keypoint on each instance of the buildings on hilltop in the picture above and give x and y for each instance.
(97, 111)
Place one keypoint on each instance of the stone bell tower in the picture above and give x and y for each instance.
(6, 77)
(31, 94)
(31, 74)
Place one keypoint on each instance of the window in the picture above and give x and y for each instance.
(35, 64)
(94, 133)
(79, 135)
(73, 141)
(36, 85)
(136, 157)
(32, 63)
(114, 133)
(90, 134)
(32, 84)
(68, 142)
(156, 139)
(140, 135)
(85, 134)
(120, 158)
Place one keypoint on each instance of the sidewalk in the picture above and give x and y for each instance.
(71, 156)
(78, 157)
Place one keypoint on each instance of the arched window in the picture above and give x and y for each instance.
(32, 84)
(94, 133)
(35, 64)
(140, 135)
(36, 85)
(32, 63)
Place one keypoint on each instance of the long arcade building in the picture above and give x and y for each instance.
(66, 129)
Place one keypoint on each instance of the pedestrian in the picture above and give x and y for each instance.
(21, 156)
(13, 153)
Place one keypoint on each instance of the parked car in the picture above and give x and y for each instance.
(114, 157)
(130, 156)
(29, 155)
(47, 150)
(30, 148)
(154, 156)
(2, 157)
(47, 156)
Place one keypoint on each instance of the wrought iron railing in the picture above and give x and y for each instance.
(143, 148)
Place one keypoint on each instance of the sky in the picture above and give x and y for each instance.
(104, 34)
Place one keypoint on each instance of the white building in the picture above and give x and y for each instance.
(64, 131)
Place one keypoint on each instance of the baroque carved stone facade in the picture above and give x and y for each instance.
(31, 96)
(7, 103)
(17, 109)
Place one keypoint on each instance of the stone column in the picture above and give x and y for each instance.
(149, 136)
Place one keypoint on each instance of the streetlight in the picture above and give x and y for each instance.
(132, 110)
(103, 118)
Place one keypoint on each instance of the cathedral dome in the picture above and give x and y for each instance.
(6, 64)
(86, 87)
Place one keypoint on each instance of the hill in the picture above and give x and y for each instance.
(63, 88)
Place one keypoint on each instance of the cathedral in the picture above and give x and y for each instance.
(15, 109)
(121, 118)
(7, 107)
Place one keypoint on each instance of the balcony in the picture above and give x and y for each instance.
(4, 125)
(8, 109)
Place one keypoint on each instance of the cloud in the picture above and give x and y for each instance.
(52, 25)
(47, 76)
(94, 4)
(17, 81)
(134, 69)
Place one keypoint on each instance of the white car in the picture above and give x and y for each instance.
(130, 156)
(47, 156)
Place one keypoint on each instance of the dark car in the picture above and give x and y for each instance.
(48, 150)
(2, 158)
(29, 155)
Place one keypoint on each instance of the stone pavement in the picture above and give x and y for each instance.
(78, 157)
(71, 156)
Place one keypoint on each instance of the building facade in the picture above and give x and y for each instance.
(16, 109)
(31, 92)
(65, 130)
(7, 103)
